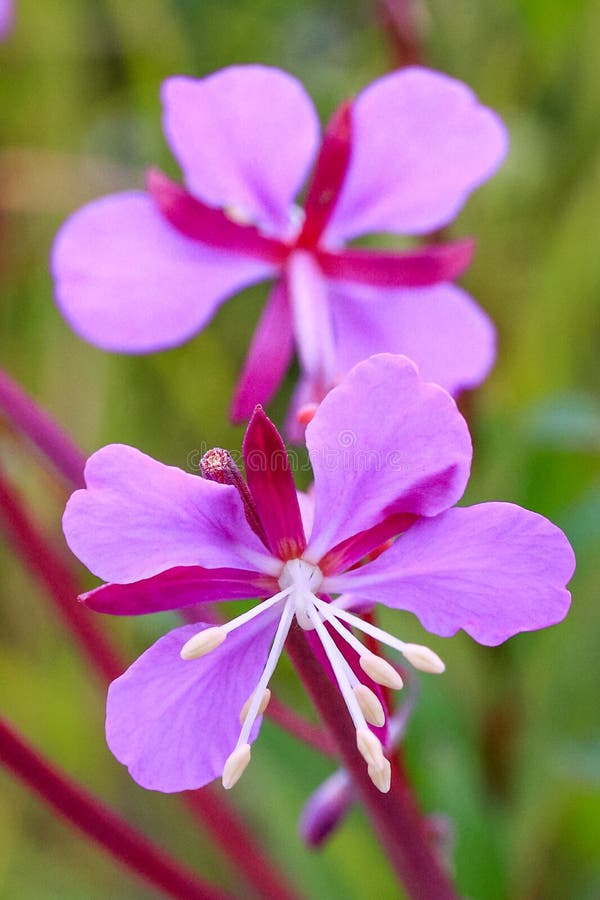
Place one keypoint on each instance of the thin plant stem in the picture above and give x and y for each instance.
(99, 823)
(288, 719)
(47, 567)
(30, 419)
(400, 20)
(395, 817)
(44, 563)
(227, 828)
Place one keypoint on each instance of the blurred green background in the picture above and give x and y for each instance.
(507, 743)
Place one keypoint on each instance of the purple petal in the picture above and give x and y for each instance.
(139, 517)
(441, 328)
(176, 588)
(272, 487)
(494, 569)
(129, 282)
(382, 442)
(269, 355)
(422, 143)
(174, 722)
(7, 18)
(244, 137)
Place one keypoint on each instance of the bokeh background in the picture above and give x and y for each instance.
(507, 743)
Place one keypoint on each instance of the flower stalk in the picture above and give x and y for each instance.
(99, 823)
(394, 815)
(41, 429)
(47, 567)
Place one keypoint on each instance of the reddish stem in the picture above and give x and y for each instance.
(47, 567)
(42, 430)
(294, 724)
(99, 823)
(227, 829)
(395, 816)
(399, 19)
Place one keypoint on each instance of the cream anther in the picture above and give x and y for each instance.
(235, 766)
(423, 658)
(263, 705)
(370, 748)
(381, 777)
(370, 705)
(381, 671)
(203, 642)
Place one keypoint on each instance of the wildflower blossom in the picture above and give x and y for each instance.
(7, 18)
(139, 272)
(390, 455)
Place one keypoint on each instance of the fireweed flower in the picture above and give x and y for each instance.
(7, 18)
(390, 455)
(138, 272)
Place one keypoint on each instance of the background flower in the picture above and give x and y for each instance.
(140, 272)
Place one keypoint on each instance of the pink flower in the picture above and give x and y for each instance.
(138, 272)
(7, 18)
(390, 455)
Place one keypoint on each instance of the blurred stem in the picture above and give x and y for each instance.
(47, 567)
(300, 728)
(132, 849)
(29, 419)
(395, 817)
(400, 20)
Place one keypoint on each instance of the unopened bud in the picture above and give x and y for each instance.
(306, 413)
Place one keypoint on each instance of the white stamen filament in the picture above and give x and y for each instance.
(256, 611)
(337, 664)
(377, 668)
(300, 581)
(274, 654)
(419, 656)
(210, 638)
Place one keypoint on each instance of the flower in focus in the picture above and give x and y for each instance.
(138, 272)
(390, 455)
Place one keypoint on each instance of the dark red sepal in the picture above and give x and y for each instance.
(209, 225)
(272, 487)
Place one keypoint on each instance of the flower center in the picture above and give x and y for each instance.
(304, 579)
